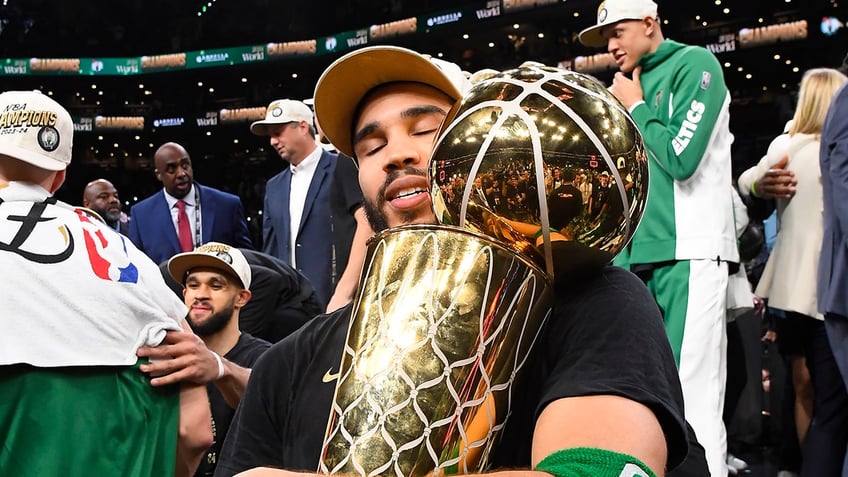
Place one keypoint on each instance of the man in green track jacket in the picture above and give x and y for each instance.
(685, 242)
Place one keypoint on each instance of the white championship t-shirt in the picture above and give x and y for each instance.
(75, 292)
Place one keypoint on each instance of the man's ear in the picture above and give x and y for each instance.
(58, 180)
(242, 298)
(158, 176)
(650, 25)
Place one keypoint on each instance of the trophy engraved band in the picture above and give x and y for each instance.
(444, 320)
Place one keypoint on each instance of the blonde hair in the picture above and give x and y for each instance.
(817, 89)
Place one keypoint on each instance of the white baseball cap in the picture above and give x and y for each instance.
(282, 111)
(35, 129)
(211, 255)
(614, 11)
(344, 83)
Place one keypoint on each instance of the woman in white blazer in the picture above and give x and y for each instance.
(789, 278)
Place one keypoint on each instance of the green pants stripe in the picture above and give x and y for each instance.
(669, 285)
(692, 295)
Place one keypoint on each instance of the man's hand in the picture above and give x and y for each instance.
(777, 183)
(628, 91)
(182, 356)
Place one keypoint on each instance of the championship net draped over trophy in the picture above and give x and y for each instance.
(446, 315)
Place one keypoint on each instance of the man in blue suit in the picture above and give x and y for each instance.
(185, 214)
(833, 261)
(299, 223)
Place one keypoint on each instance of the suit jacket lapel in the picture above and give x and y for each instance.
(284, 227)
(322, 173)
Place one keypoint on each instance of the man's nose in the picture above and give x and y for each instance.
(401, 155)
(201, 292)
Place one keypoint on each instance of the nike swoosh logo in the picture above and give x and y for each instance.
(329, 377)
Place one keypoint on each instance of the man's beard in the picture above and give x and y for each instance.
(216, 322)
(375, 213)
(110, 217)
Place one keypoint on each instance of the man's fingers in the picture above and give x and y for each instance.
(191, 374)
(777, 172)
(172, 378)
(636, 72)
(174, 344)
(166, 351)
(164, 366)
(782, 162)
(618, 79)
(175, 370)
(778, 184)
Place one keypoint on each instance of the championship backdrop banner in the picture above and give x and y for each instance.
(338, 43)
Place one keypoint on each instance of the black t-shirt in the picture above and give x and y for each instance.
(605, 336)
(564, 203)
(345, 198)
(245, 353)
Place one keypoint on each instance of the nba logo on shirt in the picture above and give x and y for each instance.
(107, 253)
(705, 79)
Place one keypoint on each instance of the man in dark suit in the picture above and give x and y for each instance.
(833, 261)
(299, 224)
(102, 197)
(185, 214)
(833, 264)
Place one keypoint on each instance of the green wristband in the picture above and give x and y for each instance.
(592, 462)
(754, 189)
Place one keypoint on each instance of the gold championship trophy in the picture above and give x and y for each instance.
(446, 315)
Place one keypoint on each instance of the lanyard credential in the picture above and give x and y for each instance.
(198, 236)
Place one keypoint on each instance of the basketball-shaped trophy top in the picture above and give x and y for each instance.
(546, 161)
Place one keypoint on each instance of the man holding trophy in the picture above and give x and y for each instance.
(599, 393)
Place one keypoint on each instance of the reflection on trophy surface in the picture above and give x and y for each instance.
(546, 161)
(444, 320)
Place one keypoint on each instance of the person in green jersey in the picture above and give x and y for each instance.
(685, 245)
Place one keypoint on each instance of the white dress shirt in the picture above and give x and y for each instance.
(301, 178)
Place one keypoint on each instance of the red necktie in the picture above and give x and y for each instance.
(186, 243)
